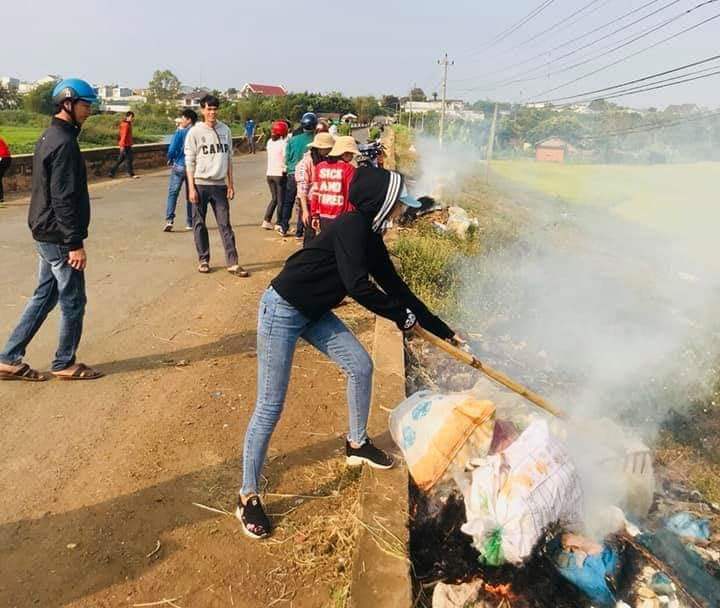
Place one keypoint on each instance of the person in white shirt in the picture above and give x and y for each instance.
(276, 170)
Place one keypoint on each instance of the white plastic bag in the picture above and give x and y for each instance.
(431, 428)
(515, 494)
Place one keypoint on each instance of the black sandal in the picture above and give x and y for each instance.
(255, 523)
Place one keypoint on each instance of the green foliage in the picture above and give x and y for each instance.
(40, 99)
(390, 104)
(431, 263)
(164, 87)
(374, 133)
(9, 99)
(417, 94)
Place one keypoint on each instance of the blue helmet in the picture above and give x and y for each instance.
(73, 89)
(309, 121)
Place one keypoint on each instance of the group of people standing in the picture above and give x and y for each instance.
(309, 171)
(345, 210)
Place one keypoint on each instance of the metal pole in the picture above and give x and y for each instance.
(443, 62)
(491, 144)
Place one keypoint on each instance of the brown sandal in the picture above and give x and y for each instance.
(81, 372)
(24, 373)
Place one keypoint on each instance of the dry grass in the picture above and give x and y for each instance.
(322, 540)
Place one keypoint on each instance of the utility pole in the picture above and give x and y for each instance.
(445, 63)
(491, 144)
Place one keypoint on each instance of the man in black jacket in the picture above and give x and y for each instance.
(299, 303)
(58, 219)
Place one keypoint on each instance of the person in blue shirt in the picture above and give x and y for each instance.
(250, 134)
(176, 160)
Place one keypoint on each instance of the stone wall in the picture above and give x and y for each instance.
(18, 177)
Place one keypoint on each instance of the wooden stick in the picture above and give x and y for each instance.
(499, 377)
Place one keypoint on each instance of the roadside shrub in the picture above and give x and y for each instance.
(431, 263)
(23, 118)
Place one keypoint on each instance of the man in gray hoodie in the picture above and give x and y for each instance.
(208, 161)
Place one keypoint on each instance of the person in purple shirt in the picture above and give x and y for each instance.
(176, 160)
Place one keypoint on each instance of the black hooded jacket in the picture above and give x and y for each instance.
(60, 203)
(341, 259)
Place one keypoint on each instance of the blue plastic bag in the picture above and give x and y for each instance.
(590, 576)
(687, 524)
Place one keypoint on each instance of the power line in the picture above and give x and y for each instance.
(627, 41)
(515, 27)
(572, 40)
(653, 127)
(652, 87)
(636, 53)
(563, 21)
(623, 84)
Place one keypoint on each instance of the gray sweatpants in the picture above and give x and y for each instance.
(216, 196)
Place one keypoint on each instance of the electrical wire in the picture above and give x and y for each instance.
(625, 42)
(513, 28)
(651, 86)
(631, 55)
(637, 80)
(648, 128)
(572, 40)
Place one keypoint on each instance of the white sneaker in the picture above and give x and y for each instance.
(266, 225)
(168, 227)
(279, 230)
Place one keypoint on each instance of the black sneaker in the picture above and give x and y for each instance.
(255, 523)
(367, 452)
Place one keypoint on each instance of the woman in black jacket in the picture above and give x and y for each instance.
(299, 303)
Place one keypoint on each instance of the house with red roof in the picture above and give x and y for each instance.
(266, 90)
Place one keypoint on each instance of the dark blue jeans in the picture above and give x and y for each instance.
(177, 179)
(289, 202)
(57, 282)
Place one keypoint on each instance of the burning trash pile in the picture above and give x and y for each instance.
(506, 511)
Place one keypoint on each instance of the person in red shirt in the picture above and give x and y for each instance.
(5, 161)
(125, 142)
(331, 184)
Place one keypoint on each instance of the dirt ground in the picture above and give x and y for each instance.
(101, 479)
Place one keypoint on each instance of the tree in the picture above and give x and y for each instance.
(390, 103)
(417, 94)
(40, 99)
(164, 87)
(9, 99)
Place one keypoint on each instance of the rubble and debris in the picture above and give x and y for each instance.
(459, 222)
(456, 596)
(687, 525)
(587, 565)
(516, 494)
(431, 429)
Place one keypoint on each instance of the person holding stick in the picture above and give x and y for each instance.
(339, 262)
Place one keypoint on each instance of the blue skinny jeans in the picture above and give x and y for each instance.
(279, 326)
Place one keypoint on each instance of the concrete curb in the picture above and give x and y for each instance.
(381, 567)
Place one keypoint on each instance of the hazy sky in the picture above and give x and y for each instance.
(357, 48)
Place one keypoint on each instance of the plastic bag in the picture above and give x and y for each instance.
(431, 429)
(515, 494)
(589, 572)
(688, 525)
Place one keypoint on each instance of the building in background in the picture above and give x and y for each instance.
(265, 90)
(423, 107)
(553, 150)
(192, 99)
(8, 82)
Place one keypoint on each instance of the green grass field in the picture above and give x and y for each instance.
(677, 200)
(20, 139)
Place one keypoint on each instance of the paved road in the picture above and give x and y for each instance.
(131, 261)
